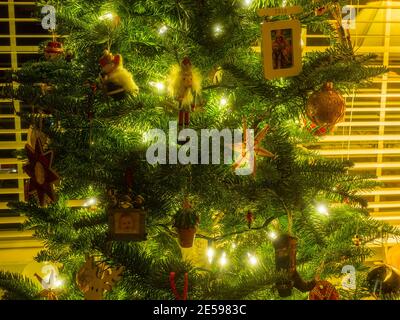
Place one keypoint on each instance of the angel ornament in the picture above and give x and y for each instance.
(185, 86)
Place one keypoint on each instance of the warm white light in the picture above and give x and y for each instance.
(252, 259)
(218, 30)
(272, 235)
(58, 283)
(90, 202)
(210, 254)
(223, 102)
(158, 85)
(234, 245)
(223, 260)
(107, 16)
(247, 3)
(322, 209)
(163, 30)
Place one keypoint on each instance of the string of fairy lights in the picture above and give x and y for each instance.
(213, 256)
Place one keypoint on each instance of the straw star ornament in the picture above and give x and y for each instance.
(244, 148)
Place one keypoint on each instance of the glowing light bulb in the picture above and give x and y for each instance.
(107, 16)
(210, 254)
(223, 260)
(322, 209)
(272, 235)
(252, 259)
(158, 85)
(58, 283)
(248, 3)
(218, 30)
(234, 246)
(223, 102)
(163, 29)
(90, 202)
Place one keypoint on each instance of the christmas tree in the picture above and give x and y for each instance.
(118, 70)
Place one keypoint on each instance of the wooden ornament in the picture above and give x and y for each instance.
(281, 49)
(42, 176)
(324, 290)
(243, 157)
(35, 134)
(215, 75)
(127, 224)
(94, 279)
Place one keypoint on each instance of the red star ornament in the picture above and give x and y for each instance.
(42, 176)
(244, 157)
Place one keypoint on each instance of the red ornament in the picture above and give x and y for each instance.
(249, 218)
(323, 290)
(320, 11)
(173, 286)
(42, 177)
(316, 130)
(53, 50)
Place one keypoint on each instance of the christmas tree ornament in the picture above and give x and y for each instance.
(281, 43)
(116, 81)
(126, 216)
(177, 295)
(186, 222)
(315, 130)
(184, 85)
(53, 51)
(242, 149)
(34, 134)
(51, 285)
(94, 279)
(215, 75)
(320, 11)
(323, 290)
(326, 107)
(285, 261)
(249, 218)
(127, 224)
(42, 176)
(384, 279)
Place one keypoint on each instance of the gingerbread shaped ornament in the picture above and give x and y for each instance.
(94, 279)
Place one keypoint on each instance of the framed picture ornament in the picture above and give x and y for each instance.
(127, 224)
(281, 44)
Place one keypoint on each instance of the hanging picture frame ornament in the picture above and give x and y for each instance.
(281, 43)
